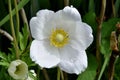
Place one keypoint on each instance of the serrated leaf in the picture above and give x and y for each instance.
(22, 47)
(3, 56)
(23, 38)
(3, 63)
(90, 72)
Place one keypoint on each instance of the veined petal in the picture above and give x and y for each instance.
(68, 13)
(83, 34)
(72, 60)
(42, 55)
(37, 24)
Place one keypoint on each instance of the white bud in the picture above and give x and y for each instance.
(18, 69)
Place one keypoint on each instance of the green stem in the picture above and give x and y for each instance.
(113, 8)
(17, 18)
(25, 21)
(66, 2)
(62, 75)
(104, 66)
(13, 31)
(45, 74)
(58, 73)
(20, 5)
(23, 14)
(98, 36)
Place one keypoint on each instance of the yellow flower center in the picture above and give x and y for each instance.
(59, 38)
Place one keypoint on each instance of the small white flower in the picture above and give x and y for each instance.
(18, 69)
(61, 39)
(34, 75)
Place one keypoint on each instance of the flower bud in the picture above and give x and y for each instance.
(18, 69)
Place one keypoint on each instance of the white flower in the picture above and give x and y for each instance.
(61, 39)
(34, 75)
(18, 69)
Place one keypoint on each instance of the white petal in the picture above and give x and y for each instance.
(74, 43)
(72, 61)
(37, 24)
(68, 13)
(43, 54)
(83, 34)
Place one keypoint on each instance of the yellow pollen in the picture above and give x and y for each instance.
(59, 38)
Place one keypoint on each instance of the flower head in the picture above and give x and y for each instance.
(18, 69)
(61, 39)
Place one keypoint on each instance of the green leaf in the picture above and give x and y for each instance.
(90, 72)
(3, 59)
(23, 38)
(3, 56)
(3, 63)
(20, 5)
(107, 28)
(4, 74)
(117, 6)
(105, 46)
(22, 47)
(90, 18)
(107, 57)
(117, 70)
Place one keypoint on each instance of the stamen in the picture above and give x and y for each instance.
(59, 38)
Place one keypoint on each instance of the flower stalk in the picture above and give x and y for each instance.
(98, 36)
(113, 8)
(13, 31)
(62, 75)
(66, 2)
(45, 74)
(24, 18)
(17, 19)
(58, 73)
